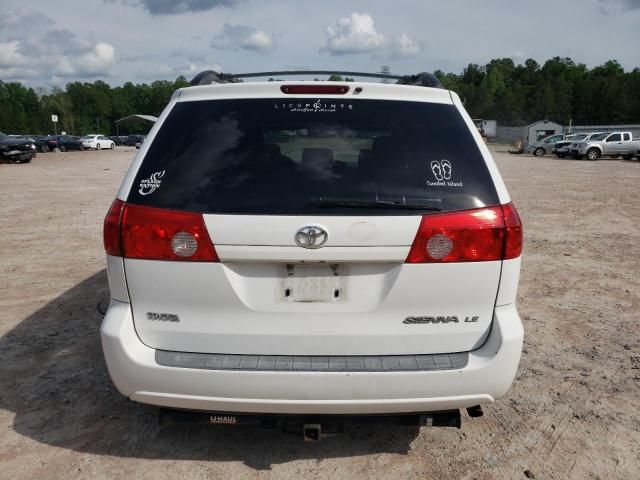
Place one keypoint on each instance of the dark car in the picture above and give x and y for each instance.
(134, 140)
(16, 149)
(68, 142)
(44, 143)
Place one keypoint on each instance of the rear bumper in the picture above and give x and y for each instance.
(135, 373)
(20, 156)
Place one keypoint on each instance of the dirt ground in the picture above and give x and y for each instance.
(573, 411)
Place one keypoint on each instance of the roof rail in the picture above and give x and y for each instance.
(423, 79)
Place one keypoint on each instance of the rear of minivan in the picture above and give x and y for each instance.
(313, 249)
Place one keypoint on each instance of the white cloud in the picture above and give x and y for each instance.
(353, 34)
(234, 37)
(258, 41)
(404, 46)
(187, 69)
(356, 34)
(98, 60)
(49, 52)
(10, 56)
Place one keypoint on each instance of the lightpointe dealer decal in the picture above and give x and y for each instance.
(151, 184)
(442, 172)
(316, 107)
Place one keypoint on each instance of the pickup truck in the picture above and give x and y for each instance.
(609, 144)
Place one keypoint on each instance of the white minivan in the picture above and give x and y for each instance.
(313, 248)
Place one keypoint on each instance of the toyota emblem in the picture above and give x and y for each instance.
(311, 237)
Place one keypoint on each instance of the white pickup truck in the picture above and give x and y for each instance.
(609, 144)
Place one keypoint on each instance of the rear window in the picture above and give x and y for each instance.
(313, 156)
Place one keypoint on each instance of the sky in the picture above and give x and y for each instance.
(52, 42)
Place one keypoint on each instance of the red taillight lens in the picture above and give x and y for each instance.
(513, 226)
(157, 234)
(111, 229)
(479, 235)
(314, 89)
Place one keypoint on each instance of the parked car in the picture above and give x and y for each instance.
(562, 148)
(97, 142)
(610, 144)
(544, 145)
(16, 149)
(135, 140)
(69, 142)
(44, 143)
(118, 139)
(367, 274)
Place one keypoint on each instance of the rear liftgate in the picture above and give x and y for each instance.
(314, 427)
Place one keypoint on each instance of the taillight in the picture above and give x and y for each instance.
(314, 89)
(157, 234)
(513, 227)
(480, 235)
(111, 229)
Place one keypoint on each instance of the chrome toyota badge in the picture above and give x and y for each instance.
(311, 236)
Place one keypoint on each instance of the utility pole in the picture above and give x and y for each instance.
(385, 70)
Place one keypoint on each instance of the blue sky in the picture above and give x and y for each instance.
(144, 40)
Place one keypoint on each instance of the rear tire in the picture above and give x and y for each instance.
(81, 148)
(113, 146)
(62, 148)
(593, 154)
(98, 147)
(539, 152)
(44, 148)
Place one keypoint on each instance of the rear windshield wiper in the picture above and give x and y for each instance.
(388, 204)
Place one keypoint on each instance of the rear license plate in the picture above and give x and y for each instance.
(312, 283)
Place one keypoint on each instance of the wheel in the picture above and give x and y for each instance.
(98, 147)
(62, 148)
(113, 145)
(44, 148)
(593, 154)
(560, 155)
(81, 147)
(627, 157)
(539, 152)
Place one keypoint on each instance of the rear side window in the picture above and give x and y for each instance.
(313, 156)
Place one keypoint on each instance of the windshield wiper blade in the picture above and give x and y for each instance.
(345, 203)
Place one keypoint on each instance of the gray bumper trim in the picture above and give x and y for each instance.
(296, 363)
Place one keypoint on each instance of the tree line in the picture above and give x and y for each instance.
(514, 94)
(81, 107)
(560, 90)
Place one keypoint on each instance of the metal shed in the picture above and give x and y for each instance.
(132, 119)
(539, 130)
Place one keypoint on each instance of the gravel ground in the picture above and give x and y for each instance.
(573, 411)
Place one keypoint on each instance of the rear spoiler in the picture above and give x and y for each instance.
(423, 79)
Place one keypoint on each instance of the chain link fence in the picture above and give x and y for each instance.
(514, 135)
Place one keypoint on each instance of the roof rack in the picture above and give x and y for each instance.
(423, 79)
